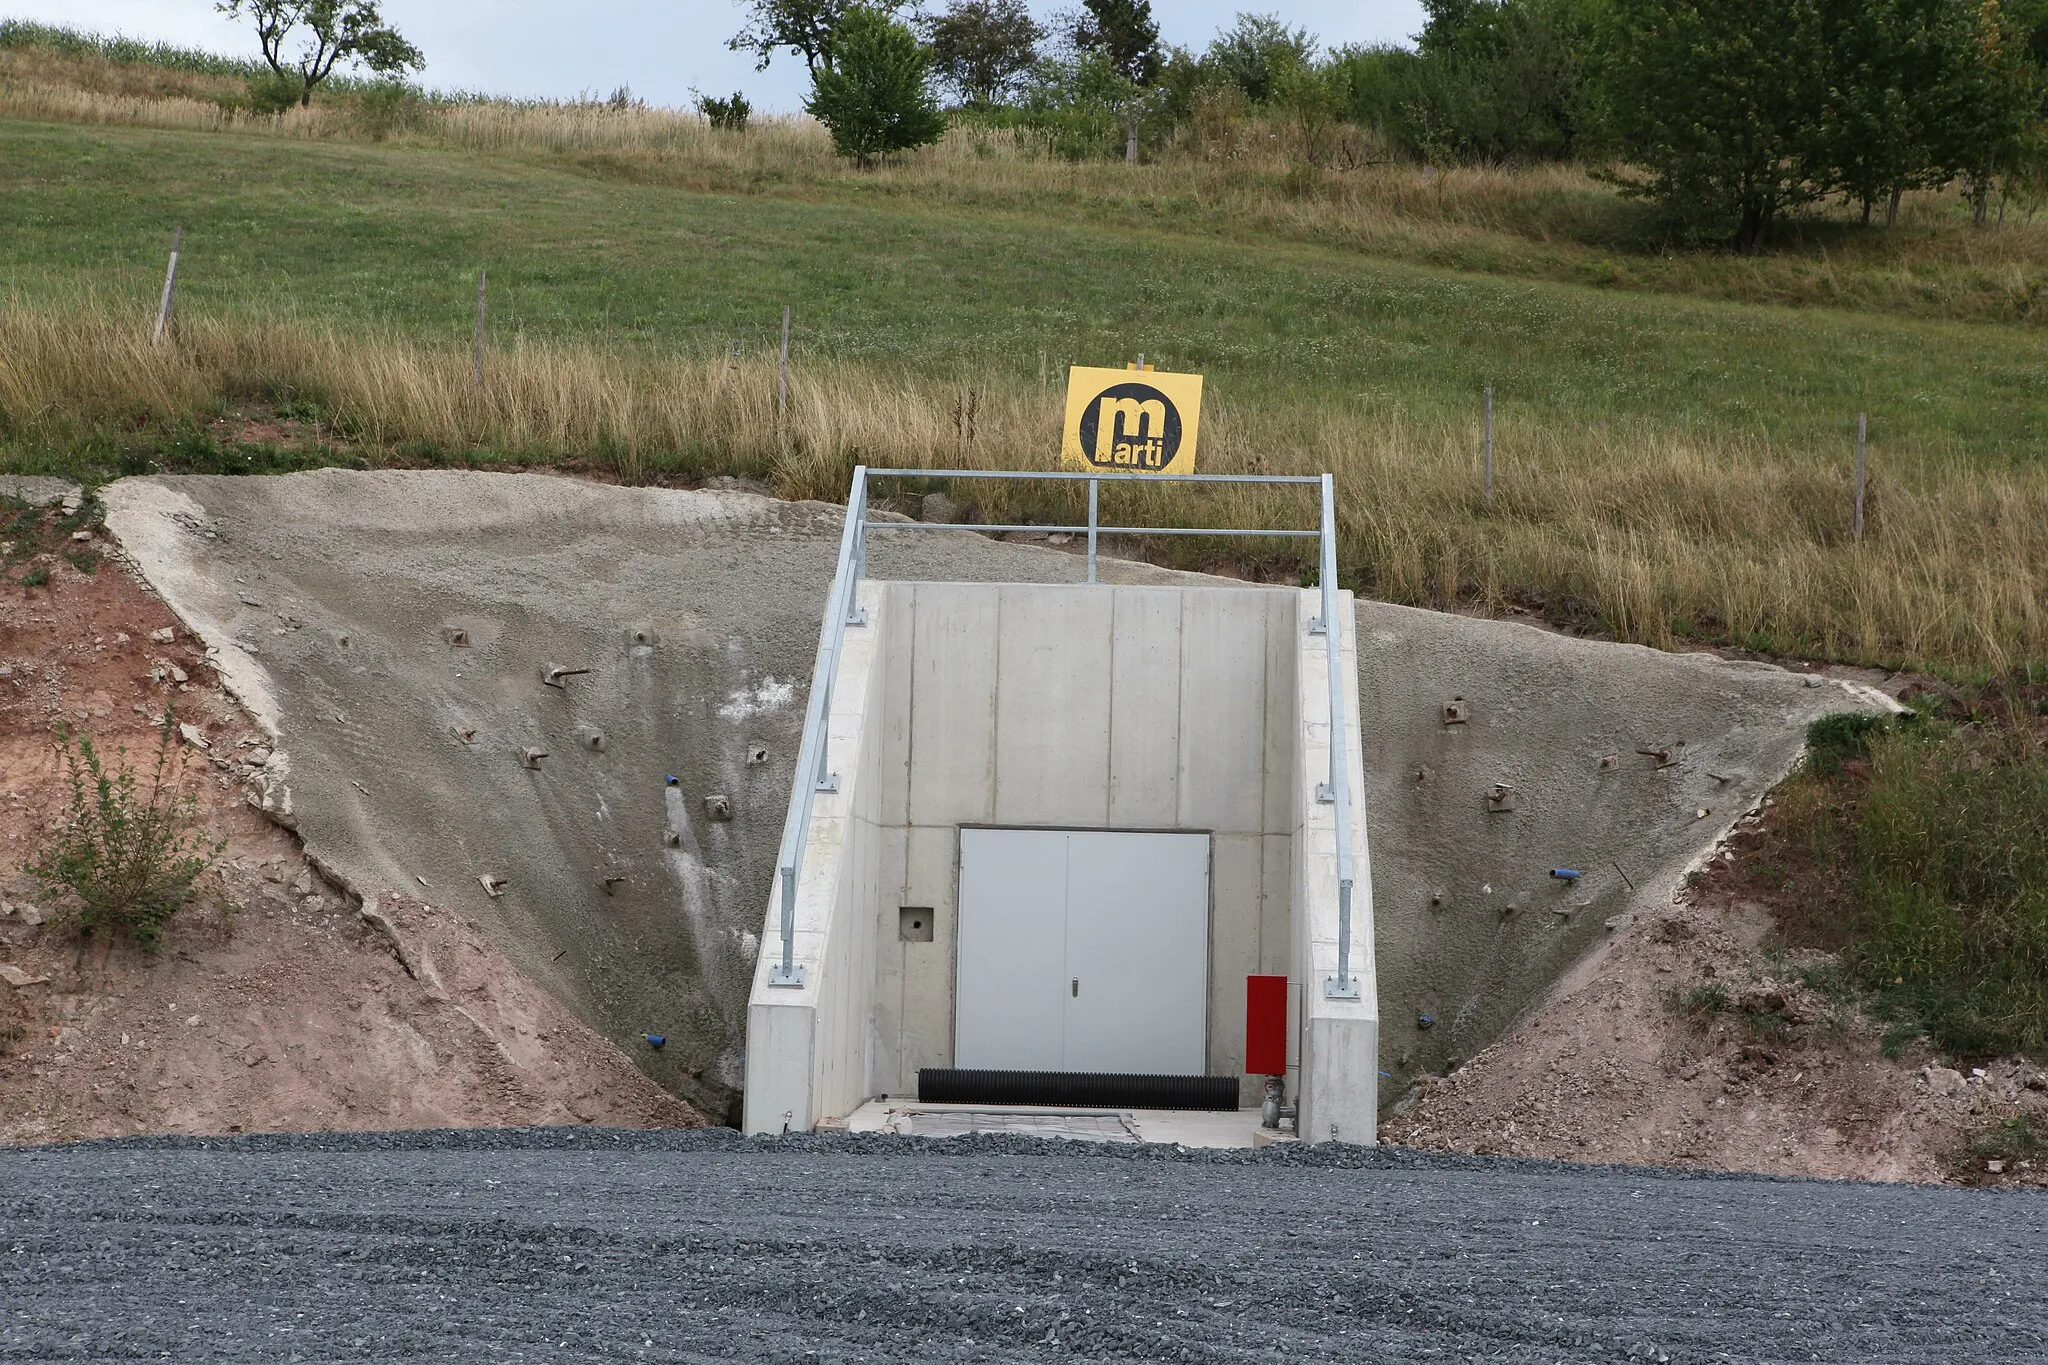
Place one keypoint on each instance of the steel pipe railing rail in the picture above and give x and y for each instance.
(813, 774)
(1337, 791)
(813, 771)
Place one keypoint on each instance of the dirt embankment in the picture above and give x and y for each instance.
(277, 1002)
(1686, 1041)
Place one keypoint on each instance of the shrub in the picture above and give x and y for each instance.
(271, 93)
(388, 107)
(874, 94)
(127, 855)
(1254, 53)
(729, 114)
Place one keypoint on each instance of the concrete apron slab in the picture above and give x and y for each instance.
(393, 632)
(1172, 1127)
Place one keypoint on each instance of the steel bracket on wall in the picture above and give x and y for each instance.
(779, 975)
(1334, 989)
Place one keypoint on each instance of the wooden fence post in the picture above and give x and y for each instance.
(1488, 493)
(163, 308)
(782, 399)
(1862, 431)
(477, 346)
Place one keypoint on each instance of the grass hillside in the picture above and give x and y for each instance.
(1675, 435)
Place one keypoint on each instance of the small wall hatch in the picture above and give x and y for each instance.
(914, 924)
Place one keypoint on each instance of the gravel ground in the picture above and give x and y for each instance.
(571, 1245)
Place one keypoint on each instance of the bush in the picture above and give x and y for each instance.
(1487, 83)
(874, 94)
(126, 858)
(1255, 52)
(389, 107)
(731, 114)
(1086, 109)
(271, 93)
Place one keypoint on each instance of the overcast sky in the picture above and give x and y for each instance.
(562, 48)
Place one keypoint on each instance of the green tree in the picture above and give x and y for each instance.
(1722, 103)
(1256, 50)
(872, 90)
(803, 26)
(983, 47)
(1123, 31)
(1922, 91)
(1313, 96)
(1087, 107)
(337, 32)
(1503, 77)
(1886, 70)
(1992, 128)
(1488, 80)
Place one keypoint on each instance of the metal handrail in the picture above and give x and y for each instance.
(1342, 986)
(813, 774)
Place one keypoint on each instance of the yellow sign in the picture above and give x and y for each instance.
(1131, 421)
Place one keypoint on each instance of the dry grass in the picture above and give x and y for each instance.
(1650, 535)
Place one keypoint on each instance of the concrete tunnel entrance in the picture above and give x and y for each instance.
(390, 634)
(1048, 831)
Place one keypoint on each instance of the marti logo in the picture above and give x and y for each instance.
(1132, 422)
(1130, 427)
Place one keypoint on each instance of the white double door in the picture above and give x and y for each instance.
(1082, 950)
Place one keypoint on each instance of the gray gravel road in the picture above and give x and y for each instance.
(571, 1246)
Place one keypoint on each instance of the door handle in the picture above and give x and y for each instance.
(1077, 988)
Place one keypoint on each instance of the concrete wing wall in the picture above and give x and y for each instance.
(1336, 1074)
(808, 1047)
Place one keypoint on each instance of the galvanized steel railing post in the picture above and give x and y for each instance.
(1094, 524)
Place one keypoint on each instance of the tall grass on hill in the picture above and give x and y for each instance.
(1551, 222)
(1656, 537)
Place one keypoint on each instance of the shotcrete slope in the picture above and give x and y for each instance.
(394, 631)
(590, 1245)
(1576, 781)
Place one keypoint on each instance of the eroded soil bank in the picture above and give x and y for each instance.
(275, 1003)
